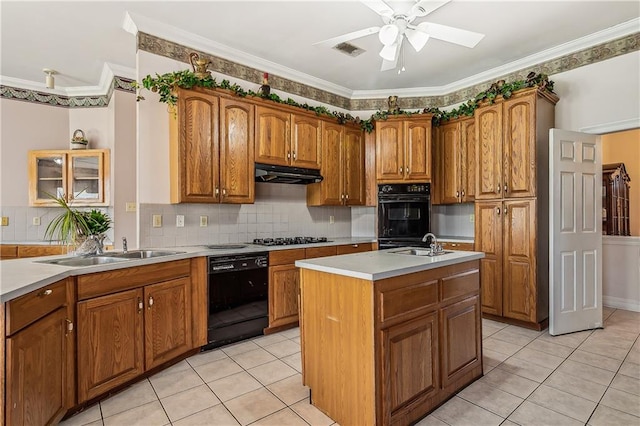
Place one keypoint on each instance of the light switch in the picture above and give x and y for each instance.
(180, 221)
(472, 218)
(204, 221)
(332, 219)
(130, 207)
(157, 221)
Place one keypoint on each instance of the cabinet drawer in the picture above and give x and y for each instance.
(355, 248)
(36, 251)
(8, 251)
(102, 283)
(457, 246)
(320, 252)
(28, 308)
(407, 299)
(462, 284)
(285, 257)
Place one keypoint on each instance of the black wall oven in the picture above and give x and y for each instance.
(404, 214)
(238, 297)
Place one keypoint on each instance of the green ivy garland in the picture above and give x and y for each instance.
(165, 85)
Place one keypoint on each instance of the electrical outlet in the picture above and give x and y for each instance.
(130, 207)
(35, 221)
(180, 221)
(472, 218)
(332, 219)
(4, 221)
(157, 221)
(204, 220)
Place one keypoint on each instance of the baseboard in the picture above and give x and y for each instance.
(618, 303)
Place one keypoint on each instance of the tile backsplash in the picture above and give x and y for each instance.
(280, 210)
(453, 220)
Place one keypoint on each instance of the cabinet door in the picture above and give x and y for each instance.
(197, 178)
(489, 155)
(488, 239)
(417, 137)
(47, 176)
(167, 321)
(519, 282)
(272, 136)
(389, 151)
(88, 175)
(353, 167)
(461, 336)
(237, 168)
(110, 342)
(284, 287)
(330, 191)
(519, 147)
(305, 142)
(450, 157)
(409, 362)
(468, 160)
(38, 372)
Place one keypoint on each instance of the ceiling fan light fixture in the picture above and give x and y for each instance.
(417, 39)
(388, 34)
(388, 52)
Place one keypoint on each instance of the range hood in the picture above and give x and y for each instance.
(283, 174)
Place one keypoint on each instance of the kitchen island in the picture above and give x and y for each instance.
(387, 336)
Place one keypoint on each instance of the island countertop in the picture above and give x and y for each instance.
(376, 265)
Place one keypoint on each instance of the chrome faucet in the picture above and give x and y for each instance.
(434, 246)
(124, 244)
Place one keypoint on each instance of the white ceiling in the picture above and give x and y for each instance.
(78, 38)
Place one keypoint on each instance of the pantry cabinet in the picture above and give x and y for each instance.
(456, 151)
(287, 139)
(81, 177)
(211, 149)
(132, 320)
(403, 149)
(342, 170)
(40, 355)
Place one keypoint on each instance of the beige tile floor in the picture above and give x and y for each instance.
(531, 378)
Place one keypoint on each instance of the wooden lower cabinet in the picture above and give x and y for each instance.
(110, 342)
(388, 352)
(126, 333)
(40, 357)
(284, 286)
(447, 245)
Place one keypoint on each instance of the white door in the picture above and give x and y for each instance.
(575, 232)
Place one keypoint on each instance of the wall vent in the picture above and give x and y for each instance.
(348, 49)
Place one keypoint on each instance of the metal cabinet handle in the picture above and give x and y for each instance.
(46, 292)
(457, 194)
(294, 155)
(346, 196)
(400, 170)
(140, 305)
(498, 210)
(342, 196)
(506, 188)
(224, 192)
(69, 327)
(463, 192)
(217, 191)
(288, 154)
(454, 245)
(150, 302)
(355, 245)
(407, 170)
(505, 211)
(498, 188)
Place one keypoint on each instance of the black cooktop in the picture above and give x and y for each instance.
(289, 241)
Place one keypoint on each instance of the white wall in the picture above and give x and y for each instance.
(621, 272)
(601, 93)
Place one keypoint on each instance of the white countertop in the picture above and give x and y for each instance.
(21, 276)
(377, 265)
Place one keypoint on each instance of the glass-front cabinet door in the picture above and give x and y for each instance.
(79, 176)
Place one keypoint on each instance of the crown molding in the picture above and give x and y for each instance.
(135, 23)
(612, 33)
(616, 126)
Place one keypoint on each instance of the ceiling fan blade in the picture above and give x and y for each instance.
(450, 34)
(425, 7)
(347, 37)
(379, 7)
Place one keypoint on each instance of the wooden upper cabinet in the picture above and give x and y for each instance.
(80, 176)
(519, 147)
(489, 156)
(306, 142)
(211, 149)
(403, 149)
(236, 151)
(287, 139)
(468, 149)
(449, 150)
(342, 168)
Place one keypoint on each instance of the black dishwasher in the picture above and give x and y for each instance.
(238, 297)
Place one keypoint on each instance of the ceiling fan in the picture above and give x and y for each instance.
(399, 26)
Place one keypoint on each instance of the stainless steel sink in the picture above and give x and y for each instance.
(82, 261)
(421, 252)
(140, 254)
